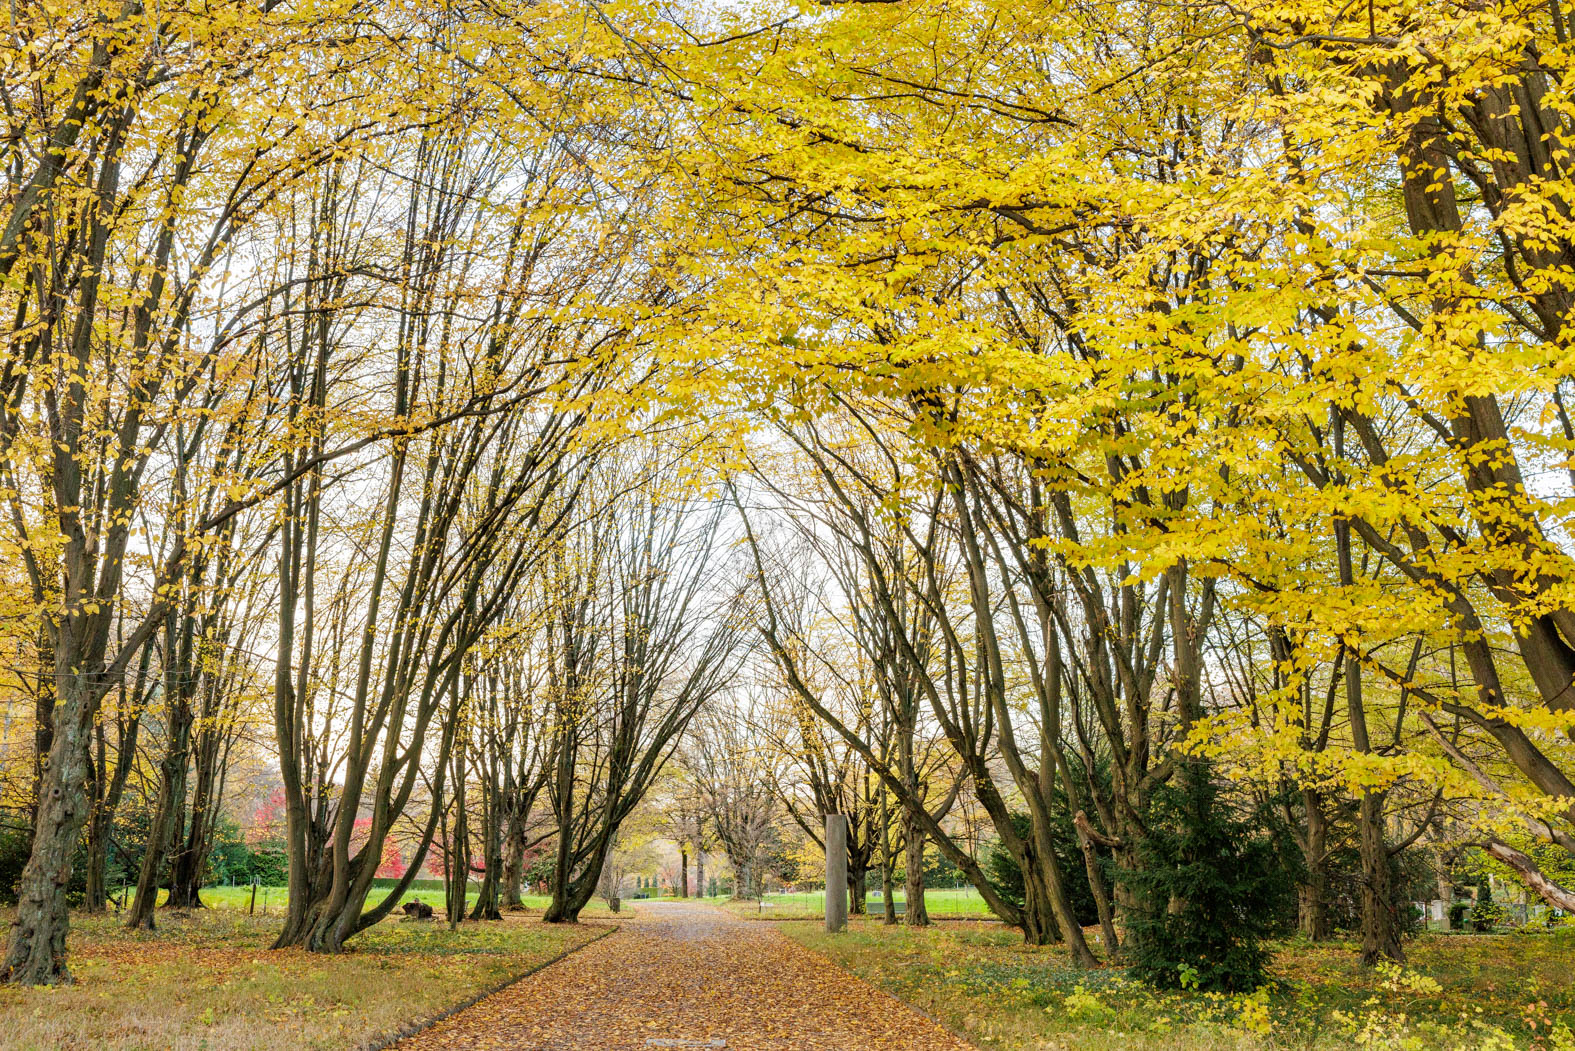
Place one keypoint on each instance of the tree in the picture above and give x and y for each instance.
(639, 641)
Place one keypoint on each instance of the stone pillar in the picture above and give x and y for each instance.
(836, 872)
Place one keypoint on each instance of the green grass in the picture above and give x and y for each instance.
(1459, 993)
(208, 980)
(272, 900)
(942, 902)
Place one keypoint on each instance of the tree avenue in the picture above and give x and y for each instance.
(1118, 455)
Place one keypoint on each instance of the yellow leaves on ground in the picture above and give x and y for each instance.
(690, 974)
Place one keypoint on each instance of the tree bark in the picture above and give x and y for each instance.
(166, 826)
(36, 954)
(915, 912)
(1312, 905)
(514, 864)
(1533, 876)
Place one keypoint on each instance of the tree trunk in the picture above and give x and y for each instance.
(36, 954)
(888, 887)
(568, 901)
(486, 907)
(1039, 925)
(1312, 905)
(683, 872)
(458, 855)
(43, 731)
(166, 826)
(700, 888)
(514, 863)
(1380, 927)
(96, 897)
(1380, 936)
(189, 866)
(915, 912)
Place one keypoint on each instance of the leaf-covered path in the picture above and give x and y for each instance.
(682, 975)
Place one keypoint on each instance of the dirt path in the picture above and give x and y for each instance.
(689, 976)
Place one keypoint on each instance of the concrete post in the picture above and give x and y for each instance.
(836, 872)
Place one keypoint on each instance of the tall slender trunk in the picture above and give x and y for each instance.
(888, 887)
(487, 895)
(95, 897)
(915, 912)
(166, 826)
(1380, 931)
(459, 846)
(190, 864)
(1312, 904)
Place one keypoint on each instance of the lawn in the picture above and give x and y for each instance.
(942, 902)
(1459, 992)
(209, 981)
(271, 900)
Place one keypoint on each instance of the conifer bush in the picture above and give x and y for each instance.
(1207, 889)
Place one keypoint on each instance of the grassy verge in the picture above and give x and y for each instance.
(942, 903)
(1459, 992)
(209, 981)
(271, 900)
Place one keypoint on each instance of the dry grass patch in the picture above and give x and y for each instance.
(209, 981)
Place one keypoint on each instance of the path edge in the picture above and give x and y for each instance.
(410, 1029)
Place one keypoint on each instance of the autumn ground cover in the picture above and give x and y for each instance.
(682, 974)
(209, 981)
(1458, 992)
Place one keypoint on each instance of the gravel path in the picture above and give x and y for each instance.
(678, 975)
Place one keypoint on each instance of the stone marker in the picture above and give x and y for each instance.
(836, 872)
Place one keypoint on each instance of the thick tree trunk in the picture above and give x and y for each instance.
(43, 737)
(36, 954)
(742, 881)
(568, 901)
(700, 887)
(1380, 926)
(514, 864)
(683, 872)
(1039, 925)
(858, 890)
